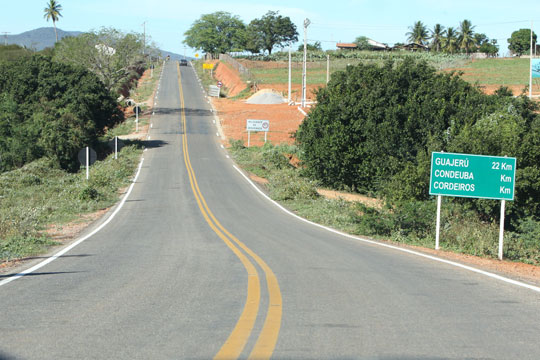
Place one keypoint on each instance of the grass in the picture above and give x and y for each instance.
(507, 71)
(127, 127)
(38, 194)
(496, 71)
(278, 73)
(147, 86)
(409, 223)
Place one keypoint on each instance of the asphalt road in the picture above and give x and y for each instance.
(198, 264)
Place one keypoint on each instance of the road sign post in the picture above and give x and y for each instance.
(472, 176)
(87, 156)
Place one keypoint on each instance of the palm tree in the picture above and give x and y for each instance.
(466, 36)
(450, 41)
(418, 33)
(52, 11)
(437, 35)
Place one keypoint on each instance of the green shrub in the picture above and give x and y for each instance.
(287, 184)
(89, 193)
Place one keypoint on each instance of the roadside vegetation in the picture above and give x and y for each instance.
(53, 103)
(373, 132)
(40, 194)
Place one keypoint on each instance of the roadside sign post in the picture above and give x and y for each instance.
(438, 226)
(87, 163)
(472, 176)
(87, 156)
(136, 117)
(257, 125)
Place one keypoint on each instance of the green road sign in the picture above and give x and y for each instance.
(475, 176)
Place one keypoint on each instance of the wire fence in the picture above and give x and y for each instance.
(245, 73)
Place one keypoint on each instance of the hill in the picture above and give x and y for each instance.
(39, 39)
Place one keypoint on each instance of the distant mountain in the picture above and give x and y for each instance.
(42, 38)
(38, 39)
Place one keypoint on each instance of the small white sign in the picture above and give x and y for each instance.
(258, 125)
(213, 90)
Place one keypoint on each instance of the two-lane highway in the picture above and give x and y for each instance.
(198, 264)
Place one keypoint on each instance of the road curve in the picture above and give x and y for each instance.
(159, 282)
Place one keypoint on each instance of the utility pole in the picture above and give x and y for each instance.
(5, 36)
(327, 68)
(289, 96)
(306, 24)
(530, 63)
(144, 37)
(185, 52)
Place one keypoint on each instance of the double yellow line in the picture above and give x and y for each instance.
(266, 342)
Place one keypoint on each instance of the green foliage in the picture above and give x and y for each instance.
(374, 129)
(216, 33)
(316, 46)
(371, 120)
(13, 52)
(362, 43)
(113, 56)
(488, 48)
(50, 109)
(289, 185)
(418, 33)
(520, 41)
(273, 30)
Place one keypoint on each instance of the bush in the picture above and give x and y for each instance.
(374, 130)
(50, 109)
(289, 185)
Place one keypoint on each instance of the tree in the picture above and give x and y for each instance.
(52, 12)
(466, 38)
(216, 33)
(520, 41)
(113, 56)
(488, 48)
(273, 30)
(316, 46)
(362, 43)
(418, 33)
(450, 42)
(437, 36)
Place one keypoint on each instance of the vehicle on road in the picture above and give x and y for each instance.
(183, 62)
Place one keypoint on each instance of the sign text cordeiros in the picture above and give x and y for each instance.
(475, 176)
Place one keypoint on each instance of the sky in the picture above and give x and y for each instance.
(166, 21)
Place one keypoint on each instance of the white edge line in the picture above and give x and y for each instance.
(68, 248)
(223, 147)
(466, 267)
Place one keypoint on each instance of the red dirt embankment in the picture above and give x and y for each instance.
(230, 79)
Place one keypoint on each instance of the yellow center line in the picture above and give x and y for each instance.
(237, 340)
(266, 342)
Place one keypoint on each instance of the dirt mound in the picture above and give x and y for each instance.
(266, 96)
(230, 79)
